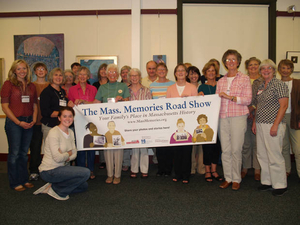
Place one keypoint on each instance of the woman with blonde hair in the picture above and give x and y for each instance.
(19, 103)
(249, 152)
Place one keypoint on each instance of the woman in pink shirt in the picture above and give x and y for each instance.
(182, 154)
(236, 94)
(83, 93)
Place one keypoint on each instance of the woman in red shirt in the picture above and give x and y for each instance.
(19, 103)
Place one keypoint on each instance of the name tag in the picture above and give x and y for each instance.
(111, 100)
(62, 102)
(25, 99)
(259, 92)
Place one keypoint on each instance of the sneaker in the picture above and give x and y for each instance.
(265, 188)
(279, 191)
(43, 189)
(53, 194)
(34, 176)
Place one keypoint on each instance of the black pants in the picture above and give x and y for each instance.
(182, 161)
(35, 149)
(211, 153)
(165, 159)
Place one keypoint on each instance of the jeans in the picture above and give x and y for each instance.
(18, 144)
(35, 149)
(67, 179)
(81, 159)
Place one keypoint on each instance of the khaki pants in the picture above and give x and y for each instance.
(269, 155)
(232, 133)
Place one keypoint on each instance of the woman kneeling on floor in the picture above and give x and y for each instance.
(59, 150)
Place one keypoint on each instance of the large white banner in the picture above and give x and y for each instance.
(147, 123)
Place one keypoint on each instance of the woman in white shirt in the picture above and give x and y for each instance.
(59, 150)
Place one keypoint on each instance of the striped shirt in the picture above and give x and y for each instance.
(142, 94)
(240, 88)
(159, 90)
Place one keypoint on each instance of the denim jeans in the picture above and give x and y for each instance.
(81, 159)
(67, 179)
(35, 149)
(18, 144)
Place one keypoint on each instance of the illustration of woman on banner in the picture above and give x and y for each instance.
(181, 135)
(93, 140)
(203, 132)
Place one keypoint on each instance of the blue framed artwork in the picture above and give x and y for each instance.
(160, 59)
(45, 48)
(93, 62)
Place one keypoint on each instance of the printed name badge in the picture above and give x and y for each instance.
(62, 102)
(259, 92)
(25, 99)
(111, 100)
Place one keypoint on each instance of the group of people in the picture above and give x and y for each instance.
(259, 118)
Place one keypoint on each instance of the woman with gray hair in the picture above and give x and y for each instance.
(112, 92)
(137, 91)
(272, 101)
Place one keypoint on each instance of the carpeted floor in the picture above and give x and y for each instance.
(155, 200)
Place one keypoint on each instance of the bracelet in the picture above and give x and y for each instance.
(232, 98)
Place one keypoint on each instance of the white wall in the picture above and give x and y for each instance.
(207, 36)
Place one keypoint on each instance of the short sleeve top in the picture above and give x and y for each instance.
(268, 100)
(112, 90)
(12, 95)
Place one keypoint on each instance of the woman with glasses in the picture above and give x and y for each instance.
(272, 101)
(113, 92)
(236, 94)
(182, 153)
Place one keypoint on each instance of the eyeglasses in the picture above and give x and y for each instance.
(267, 68)
(230, 60)
(161, 69)
(41, 69)
(179, 71)
(112, 72)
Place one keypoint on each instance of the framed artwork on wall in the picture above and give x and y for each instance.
(160, 59)
(294, 56)
(93, 62)
(45, 48)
